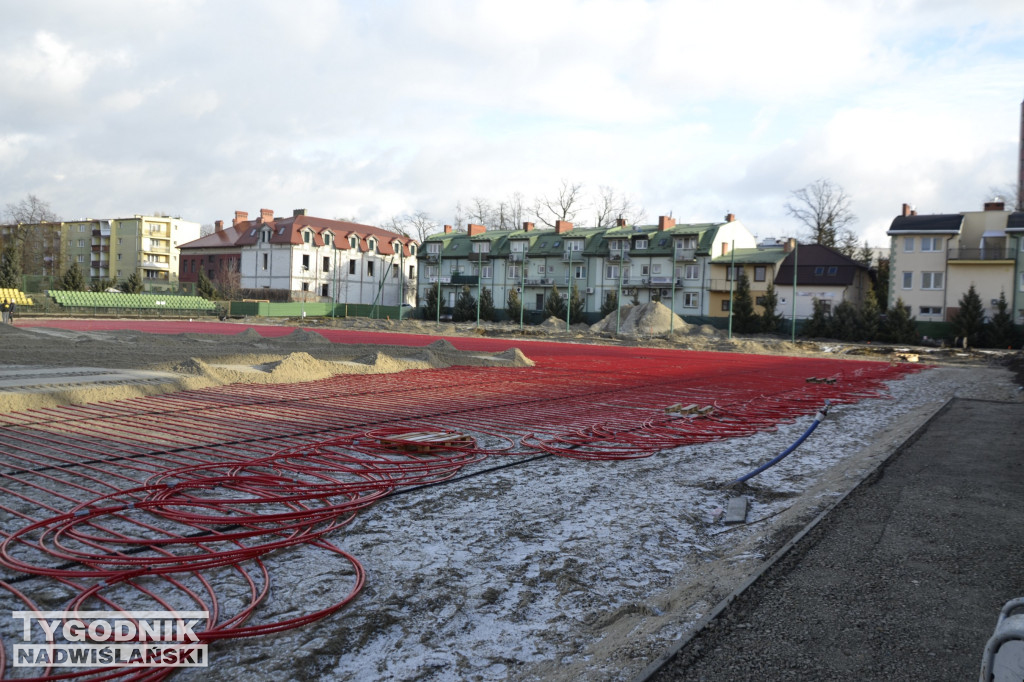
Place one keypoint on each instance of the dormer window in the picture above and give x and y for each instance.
(640, 244)
(352, 242)
(327, 238)
(264, 236)
(307, 237)
(372, 243)
(433, 247)
(412, 249)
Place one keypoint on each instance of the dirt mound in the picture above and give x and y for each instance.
(441, 345)
(553, 323)
(649, 319)
(301, 367)
(250, 335)
(515, 357)
(193, 367)
(302, 337)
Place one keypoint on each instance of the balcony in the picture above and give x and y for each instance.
(617, 256)
(576, 256)
(988, 254)
(444, 279)
(543, 281)
(101, 248)
(516, 257)
(685, 255)
(156, 265)
(158, 248)
(431, 257)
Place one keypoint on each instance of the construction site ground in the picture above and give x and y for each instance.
(527, 566)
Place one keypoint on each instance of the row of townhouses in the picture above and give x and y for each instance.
(688, 267)
(935, 258)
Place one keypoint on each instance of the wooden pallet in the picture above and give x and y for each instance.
(427, 441)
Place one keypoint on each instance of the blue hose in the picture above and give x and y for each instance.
(818, 418)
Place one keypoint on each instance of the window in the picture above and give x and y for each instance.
(305, 286)
(690, 299)
(760, 300)
(645, 270)
(369, 268)
(80, 258)
(725, 305)
(688, 242)
(372, 244)
(580, 271)
(908, 244)
(412, 272)
(305, 260)
(394, 270)
(908, 280)
(327, 264)
(513, 272)
(931, 309)
(611, 272)
(932, 280)
(820, 270)
(352, 242)
(412, 249)
(81, 228)
(351, 267)
(307, 237)
(486, 272)
(931, 244)
(118, 256)
(729, 272)
(266, 260)
(691, 272)
(540, 269)
(120, 240)
(324, 290)
(574, 245)
(81, 242)
(481, 247)
(431, 271)
(640, 244)
(760, 272)
(327, 241)
(832, 270)
(516, 247)
(1021, 287)
(264, 236)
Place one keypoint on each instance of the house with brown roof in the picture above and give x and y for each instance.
(822, 274)
(313, 259)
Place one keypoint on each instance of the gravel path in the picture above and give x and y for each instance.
(903, 581)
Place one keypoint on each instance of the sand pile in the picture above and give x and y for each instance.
(649, 319)
(515, 357)
(298, 367)
(250, 335)
(301, 338)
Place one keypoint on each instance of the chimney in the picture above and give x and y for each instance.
(906, 210)
(447, 229)
(218, 226)
(620, 222)
(995, 205)
(527, 227)
(297, 212)
(266, 216)
(240, 217)
(791, 244)
(730, 217)
(474, 230)
(666, 223)
(562, 226)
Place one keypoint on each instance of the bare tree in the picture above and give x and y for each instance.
(35, 234)
(1012, 193)
(824, 208)
(417, 225)
(481, 212)
(609, 205)
(564, 206)
(228, 280)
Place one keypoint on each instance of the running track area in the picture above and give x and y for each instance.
(178, 501)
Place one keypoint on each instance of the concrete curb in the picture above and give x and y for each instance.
(657, 664)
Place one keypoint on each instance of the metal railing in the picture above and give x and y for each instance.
(998, 253)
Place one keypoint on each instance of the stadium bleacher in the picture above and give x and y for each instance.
(130, 302)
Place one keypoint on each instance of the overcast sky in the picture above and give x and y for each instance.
(199, 108)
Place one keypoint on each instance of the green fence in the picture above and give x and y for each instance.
(265, 309)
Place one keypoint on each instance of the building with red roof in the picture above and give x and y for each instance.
(312, 259)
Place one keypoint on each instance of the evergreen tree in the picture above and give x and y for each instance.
(101, 285)
(430, 301)
(771, 320)
(744, 319)
(513, 305)
(554, 306)
(465, 306)
(577, 304)
(846, 323)
(870, 315)
(1001, 331)
(899, 325)
(969, 321)
(10, 267)
(132, 285)
(72, 279)
(866, 254)
(610, 303)
(204, 287)
(486, 304)
(882, 283)
(819, 324)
